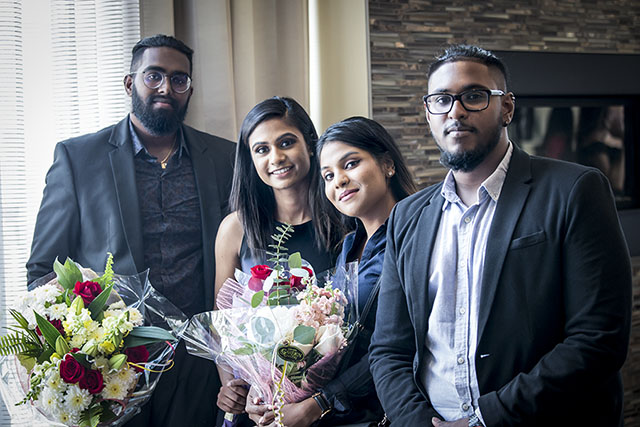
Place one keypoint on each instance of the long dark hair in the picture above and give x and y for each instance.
(254, 200)
(370, 136)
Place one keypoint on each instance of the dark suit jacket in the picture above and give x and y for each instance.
(90, 202)
(555, 305)
(90, 207)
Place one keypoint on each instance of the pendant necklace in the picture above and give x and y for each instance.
(163, 162)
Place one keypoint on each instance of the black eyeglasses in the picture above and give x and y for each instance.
(153, 79)
(471, 100)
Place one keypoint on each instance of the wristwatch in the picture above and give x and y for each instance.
(323, 403)
(474, 421)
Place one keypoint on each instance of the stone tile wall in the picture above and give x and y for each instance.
(406, 34)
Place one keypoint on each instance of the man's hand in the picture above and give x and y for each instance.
(233, 396)
(462, 422)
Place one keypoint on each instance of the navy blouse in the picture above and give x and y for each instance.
(352, 394)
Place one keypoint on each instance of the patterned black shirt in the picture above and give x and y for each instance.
(171, 225)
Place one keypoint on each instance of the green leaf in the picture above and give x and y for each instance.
(244, 351)
(304, 334)
(81, 359)
(45, 355)
(257, 298)
(107, 277)
(295, 260)
(143, 335)
(68, 274)
(49, 332)
(13, 344)
(97, 305)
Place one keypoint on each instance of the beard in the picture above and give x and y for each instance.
(158, 122)
(469, 160)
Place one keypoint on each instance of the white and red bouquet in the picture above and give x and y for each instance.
(279, 319)
(87, 349)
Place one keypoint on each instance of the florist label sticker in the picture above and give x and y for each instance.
(290, 354)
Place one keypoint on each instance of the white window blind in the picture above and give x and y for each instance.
(62, 64)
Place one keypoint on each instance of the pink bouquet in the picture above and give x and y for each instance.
(279, 320)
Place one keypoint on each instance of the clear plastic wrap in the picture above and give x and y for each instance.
(245, 340)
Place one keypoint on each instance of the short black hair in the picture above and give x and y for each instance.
(159, 40)
(465, 52)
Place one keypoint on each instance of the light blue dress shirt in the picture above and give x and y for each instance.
(455, 281)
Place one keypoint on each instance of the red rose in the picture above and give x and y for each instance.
(138, 355)
(258, 274)
(70, 370)
(92, 381)
(260, 271)
(55, 322)
(87, 291)
(296, 282)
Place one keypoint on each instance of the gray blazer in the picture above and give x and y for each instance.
(90, 202)
(554, 315)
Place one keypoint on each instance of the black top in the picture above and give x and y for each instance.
(302, 240)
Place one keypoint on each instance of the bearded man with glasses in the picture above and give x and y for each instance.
(152, 191)
(505, 292)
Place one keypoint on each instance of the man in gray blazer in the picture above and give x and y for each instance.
(506, 290)
(152, 191)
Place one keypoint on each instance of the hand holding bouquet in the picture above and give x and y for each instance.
(85, 357)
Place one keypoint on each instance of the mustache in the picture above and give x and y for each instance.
(166, 99)
(458, 126)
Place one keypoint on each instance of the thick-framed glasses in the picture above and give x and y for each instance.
(471, 100)
(153, 79)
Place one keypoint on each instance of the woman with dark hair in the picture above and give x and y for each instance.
(364, 175)
(276, 180)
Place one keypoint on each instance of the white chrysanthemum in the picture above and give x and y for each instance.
(68, 418)
(54, 382)
(114, 388)
(49, 401)
(135, 316)
(126, 375)
(48, 293)
(119, 305)
(78, 341)
(77, 399)
(57, 311)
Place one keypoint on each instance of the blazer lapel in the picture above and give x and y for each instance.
(510, 204)
(426, 232)
(204, 169)
(123, 168)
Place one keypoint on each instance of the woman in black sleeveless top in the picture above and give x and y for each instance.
(276, 180)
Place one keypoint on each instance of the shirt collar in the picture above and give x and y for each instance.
(492, 186)
(138, 147)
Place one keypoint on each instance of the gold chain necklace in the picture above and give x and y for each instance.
(163, 162)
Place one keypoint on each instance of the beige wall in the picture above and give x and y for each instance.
(338, 60)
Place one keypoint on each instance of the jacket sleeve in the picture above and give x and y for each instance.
(354, 383)
(392, 353)
(595, 283)
(58, 220)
